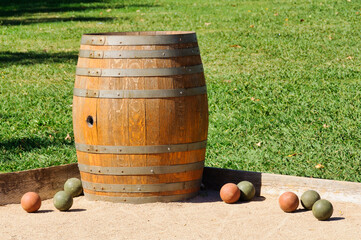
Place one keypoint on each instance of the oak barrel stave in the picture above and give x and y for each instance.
(140, 122)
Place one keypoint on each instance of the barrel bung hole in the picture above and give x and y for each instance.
(90, 121)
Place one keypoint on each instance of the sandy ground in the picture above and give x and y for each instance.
(204, 217)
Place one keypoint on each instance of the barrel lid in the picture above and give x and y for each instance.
(139, 38)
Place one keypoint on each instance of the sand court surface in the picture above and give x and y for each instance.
(203, 217)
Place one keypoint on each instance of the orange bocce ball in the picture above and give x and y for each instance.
(31, 202)
(230, 193)
(288, 202)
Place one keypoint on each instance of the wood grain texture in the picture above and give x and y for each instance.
(143, 194)
(141, 122)
(45, 181)
(143, 179)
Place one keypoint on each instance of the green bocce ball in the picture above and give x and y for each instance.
(322, 209)
(62, 201)
(247, 190)
(308, 198)
(73, 186)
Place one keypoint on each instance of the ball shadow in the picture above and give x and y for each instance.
(255, 199)
(258, 199)
(43, 211)
(335, 219)
(301, 210)
(77, 210)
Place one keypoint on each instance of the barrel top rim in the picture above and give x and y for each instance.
(142, 33)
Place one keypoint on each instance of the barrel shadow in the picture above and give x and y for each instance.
(215, 178)
(205, 196)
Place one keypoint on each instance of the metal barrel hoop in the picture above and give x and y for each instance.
(134, 40)
(147, 149)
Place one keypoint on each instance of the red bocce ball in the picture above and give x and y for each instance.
(230, 193)
(31, 202)
(288, 202)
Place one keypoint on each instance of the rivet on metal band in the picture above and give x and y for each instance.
(122, 188)
(148, 149)
(126, 54)
(159, 93)
(141, 72)
(151, 170)
(139, 200)
(134, 40)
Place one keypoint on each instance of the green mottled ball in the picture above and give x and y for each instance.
(62, 201)
(322, 209)
(308, 198)
(247, 190)
(73, 187)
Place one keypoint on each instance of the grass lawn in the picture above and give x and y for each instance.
(283, 79)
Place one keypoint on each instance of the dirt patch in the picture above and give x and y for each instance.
(204, 217)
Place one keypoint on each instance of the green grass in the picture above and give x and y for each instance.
(283, 79)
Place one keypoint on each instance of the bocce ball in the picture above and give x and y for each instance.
(31, 202)
(288, 202)
(308, 198)
(62, 201)
(73, 187)
(247, 190)
(322, 209)
(230, 193)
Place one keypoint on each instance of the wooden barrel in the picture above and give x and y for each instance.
(140, 116)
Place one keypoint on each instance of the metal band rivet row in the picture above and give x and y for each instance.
(138, 200)
(148, 149)
(141, 170)
(161, 93)
(141, 72)
(162, 187)
(139, 53)
(122, 40)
